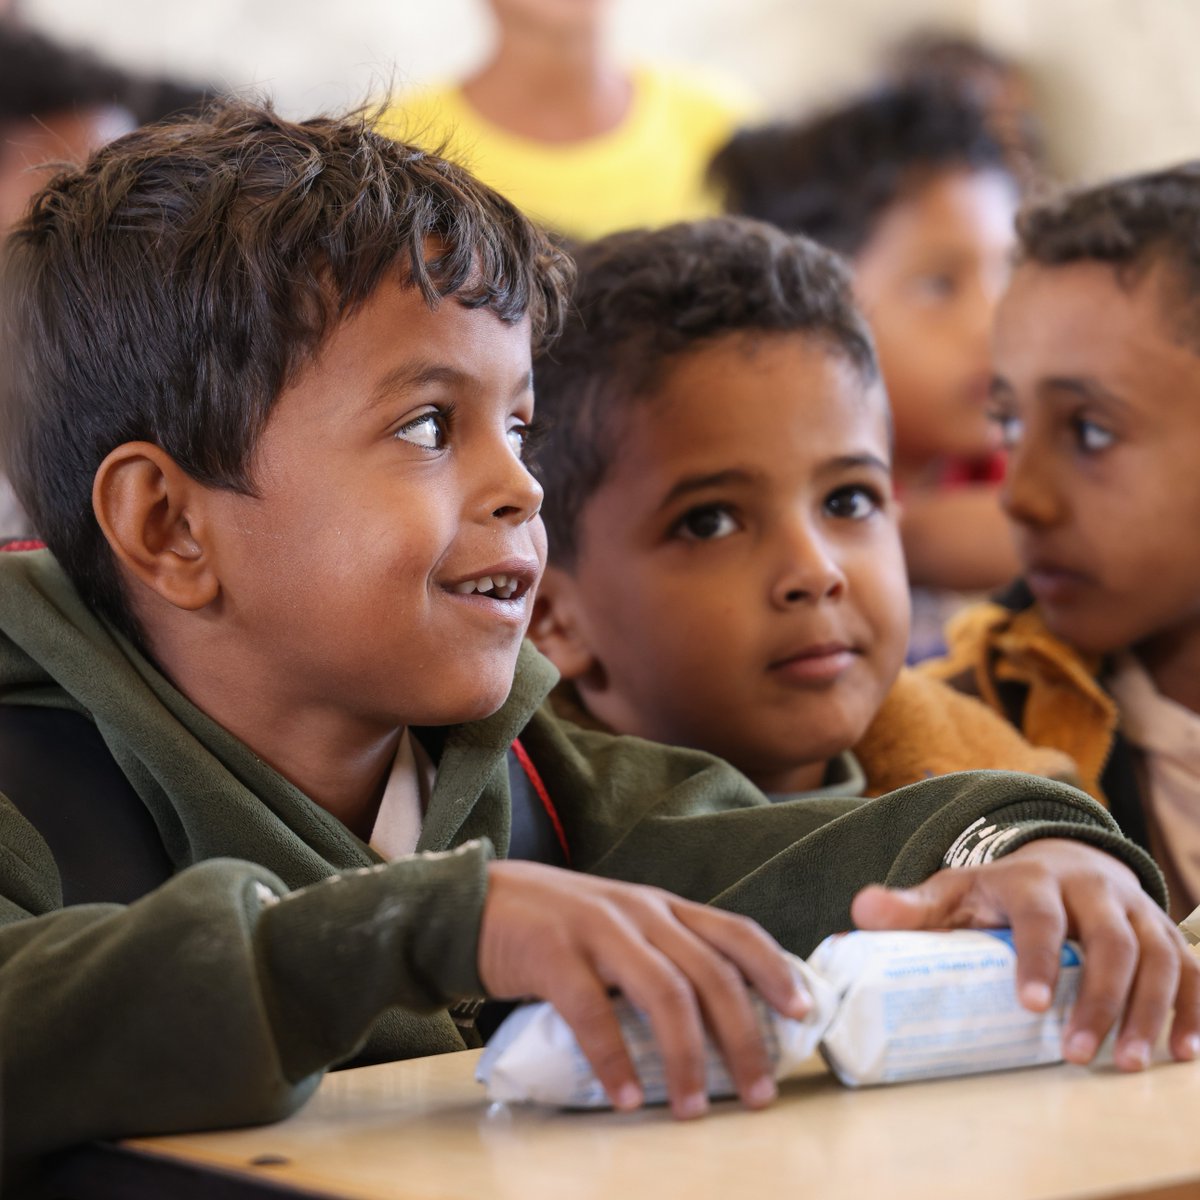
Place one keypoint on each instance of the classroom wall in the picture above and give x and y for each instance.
(1117, 77)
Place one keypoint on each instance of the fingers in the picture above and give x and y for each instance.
(655, 984)
(721, 990)
(936, 903)
(1155, 984)
(1185, 1029)
(754, 952)
(568, 938)
(584, 1004)
(1039, 928)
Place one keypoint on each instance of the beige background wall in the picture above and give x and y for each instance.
(1118, 77)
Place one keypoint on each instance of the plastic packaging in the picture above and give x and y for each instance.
(888, 1008)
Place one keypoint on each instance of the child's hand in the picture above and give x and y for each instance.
(567, 938)
(1134, 959)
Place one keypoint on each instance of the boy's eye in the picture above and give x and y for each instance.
(854, 502)
(1092, 438)
(706, 524)
(518, 439)
(428, 430)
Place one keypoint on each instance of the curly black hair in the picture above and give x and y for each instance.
(1130, 223)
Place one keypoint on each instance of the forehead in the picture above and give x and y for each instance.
(956, 207)
(393, 349)
(754, 398)
(1080, 320)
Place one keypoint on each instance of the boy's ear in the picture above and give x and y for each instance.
(556, 629)
(152, 513)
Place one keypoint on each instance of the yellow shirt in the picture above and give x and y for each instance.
(649, 170)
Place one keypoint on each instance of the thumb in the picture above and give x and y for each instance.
(933, 904)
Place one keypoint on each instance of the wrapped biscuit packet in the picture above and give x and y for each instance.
(887, 1008)
(534, 1056)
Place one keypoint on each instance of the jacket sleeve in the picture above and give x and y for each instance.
(690, 823)
(219, 998)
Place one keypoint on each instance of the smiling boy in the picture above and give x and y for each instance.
(1097, 652)
(265, 390)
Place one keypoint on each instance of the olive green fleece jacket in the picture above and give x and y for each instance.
(282, 944)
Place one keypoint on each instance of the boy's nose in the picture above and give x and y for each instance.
(1028, 494)
(519, 496)
(811, 571)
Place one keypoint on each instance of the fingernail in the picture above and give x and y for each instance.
(695, 1105)
(761, 1092)
(628, 1096)
(1080, 1047)
(1036, 996)
(1191, 1045)
(1134, 1056)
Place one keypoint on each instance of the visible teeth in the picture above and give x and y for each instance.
(504, 586)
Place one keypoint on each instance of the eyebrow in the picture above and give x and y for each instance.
(415, 376)
(742, 475)
(1085, 387)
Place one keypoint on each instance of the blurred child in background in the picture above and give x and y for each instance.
(1097, 650)
(582, 143)
(57, 105)
(999, 84)
(725, 565)
(911, 187)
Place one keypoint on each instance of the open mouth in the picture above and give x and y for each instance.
(498, 587)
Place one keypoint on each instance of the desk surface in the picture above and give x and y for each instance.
(421, 1130)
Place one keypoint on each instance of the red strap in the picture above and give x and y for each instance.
(23, 544)
(543, 795)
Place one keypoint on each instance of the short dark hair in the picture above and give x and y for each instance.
(169, 289)
(832, 177)
(1130, 223)
(642, 299)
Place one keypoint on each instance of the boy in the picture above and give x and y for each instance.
(266, 387)
(679, 571)
(910, 186)
(1097, 650)
(725, 570)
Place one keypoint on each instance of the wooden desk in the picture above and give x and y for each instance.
(421, 1130)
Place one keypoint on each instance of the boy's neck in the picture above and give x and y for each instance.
(792, 781)
(337, 760)
(549, 87)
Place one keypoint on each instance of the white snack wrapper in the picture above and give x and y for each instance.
(919, 1005)
(534, 1057)
(888, 1007)
(1190, 927)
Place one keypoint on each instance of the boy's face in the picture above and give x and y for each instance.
(389, 479)
(928, 280)
(739, 585)
(1101, 405)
